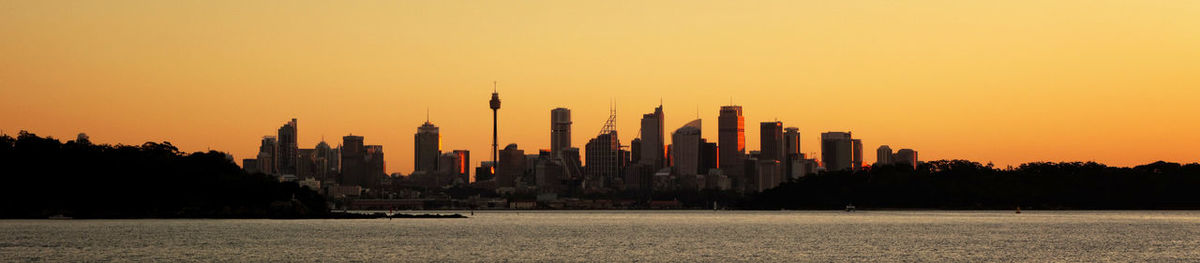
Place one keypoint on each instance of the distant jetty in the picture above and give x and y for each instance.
(350, 215)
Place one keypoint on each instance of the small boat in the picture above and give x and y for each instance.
(850, 208)
(1018, 209)
(60, 217)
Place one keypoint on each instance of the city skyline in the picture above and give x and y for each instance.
(965, 81)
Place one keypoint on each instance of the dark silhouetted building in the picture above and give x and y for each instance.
(837, 151)
(287, 154)
(512, 166)
(427, 147)
(560, 130)
(603, 160)
(685, 149)
(857, 156)
(731, 138)
(653, 146)
(907, 157)
(883, 155)
(354, 170)
(266, 155)
(376, 168)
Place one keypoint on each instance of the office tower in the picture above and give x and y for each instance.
(771, 141)
(836, 151)
(602, 159)
(708, 156)
(287, 153)
(635, 150)
(376, 169)
(791, 141)
(731, 138)
(250, 166)
(653, 136)
(685, 149)
(427, 148)
(306, 164)
(511, 166)
(495, 105)
(548, 174)
(485, 171)
(857, 147)
(906, 157)
(460, 169)
(353, 168)
(883, 155)
(326, 161)
(560, 130)
(266, 155)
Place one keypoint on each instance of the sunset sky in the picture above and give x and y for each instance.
(1008, 82)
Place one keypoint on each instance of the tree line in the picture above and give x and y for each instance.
(961, 184)
(46, 177)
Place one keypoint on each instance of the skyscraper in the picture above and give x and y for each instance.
(685, 149)
(907, 157)
(731, 141)
(353, 167)
(287, 153)
(771, 141)
(857, 156)
(266, 155)
(883, 155)
(791, 141)
(602, 159)
(427, 147)
(836, 150)
(560, 130)
(511, 166)
(653, 146)
(376, 168)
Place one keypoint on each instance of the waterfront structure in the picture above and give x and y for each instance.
(883, 155)
(731, 139)
(560, 130)
(685, 149)
(836, 150)
(427, 147)
(286, 154)
(652, 139)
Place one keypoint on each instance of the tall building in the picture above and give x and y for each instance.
(461, 169)
(731, 140)
(354, 170)
(602, 160)
(511, 166)
(326, 158)
(653, 146)
(771, 141)
(791, 141)
(791, 150)
(907, 157)
(857, 156)
(494, 104)
(287, 154)
(266, 155)
(560, 130)
(883, 155)
(427, 148)
(685, 149)
(376, 168)
(837, 151)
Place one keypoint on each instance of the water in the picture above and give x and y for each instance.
(624, 236)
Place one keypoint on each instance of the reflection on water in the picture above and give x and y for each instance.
(624, 236)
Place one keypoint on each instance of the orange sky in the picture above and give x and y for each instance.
(1002, 81)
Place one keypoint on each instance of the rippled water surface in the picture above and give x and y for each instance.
(624, 236)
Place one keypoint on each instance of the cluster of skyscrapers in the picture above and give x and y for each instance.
(648, 164)
(351, 163)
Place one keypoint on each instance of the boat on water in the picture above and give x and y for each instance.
(851, 208)
(59, 217)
